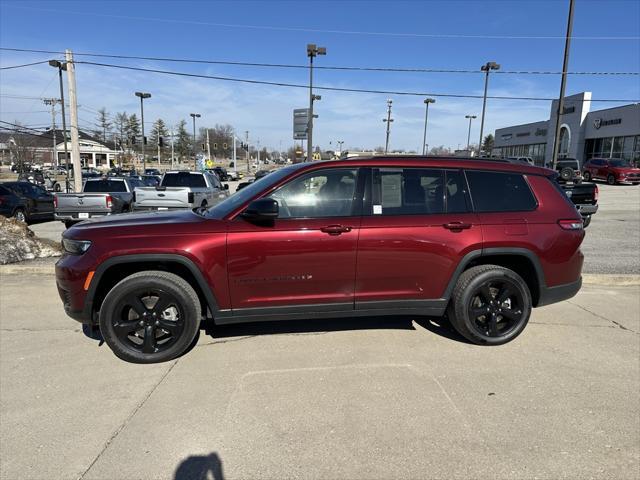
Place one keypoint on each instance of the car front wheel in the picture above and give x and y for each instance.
(611, 180)
(491, 305)
(150, 317)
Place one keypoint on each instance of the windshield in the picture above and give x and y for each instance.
(224, 208)
(618, 162)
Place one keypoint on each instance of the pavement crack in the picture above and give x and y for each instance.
(617, 324)
(128, 419)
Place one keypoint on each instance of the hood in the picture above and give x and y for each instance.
(137, 219)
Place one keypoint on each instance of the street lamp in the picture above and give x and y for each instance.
(194, 116)
(485, 68)
(312, 52)
(388, 121)
(142, 96)
(62, 66)
(427, 101)
(470, 117)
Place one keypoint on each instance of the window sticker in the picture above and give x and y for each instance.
(377, 209)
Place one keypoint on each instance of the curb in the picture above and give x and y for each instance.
(38, 267)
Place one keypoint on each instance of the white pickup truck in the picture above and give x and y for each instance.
(181, 190)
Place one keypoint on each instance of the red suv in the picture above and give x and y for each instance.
(613, 170)
(481, 241)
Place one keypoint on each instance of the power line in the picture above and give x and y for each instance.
(341, 32)
(336, 68)
(334, 89)
(24, 65)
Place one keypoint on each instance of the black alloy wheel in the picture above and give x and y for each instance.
(149, 320)
(150, 317)
(611, 180)
(490, 305)
(496, 308)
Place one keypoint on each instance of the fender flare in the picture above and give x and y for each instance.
(149, 258)
(485, 252)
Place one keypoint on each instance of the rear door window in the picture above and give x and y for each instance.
(500, 192)
(184, 179)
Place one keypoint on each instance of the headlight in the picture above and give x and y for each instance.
(75, 247)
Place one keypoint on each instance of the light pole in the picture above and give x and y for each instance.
(388, 121)
(142, 96)
(194, 116)
(487, 67)
(427, 101)
(470, 117)
(312, 52)
(63, 66)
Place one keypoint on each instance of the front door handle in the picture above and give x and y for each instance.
(335, 229)
(457, 226)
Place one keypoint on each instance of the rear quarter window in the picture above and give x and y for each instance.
(500, 192)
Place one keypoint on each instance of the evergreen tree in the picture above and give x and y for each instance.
(487, 144)
(104, 124)
(158, 130)
(182, 140)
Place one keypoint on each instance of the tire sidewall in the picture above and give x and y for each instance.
(462, 307)
(109, 310)
(611, 180)
(586, 176)
(18, 212)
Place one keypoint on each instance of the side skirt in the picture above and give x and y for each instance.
(434, 308)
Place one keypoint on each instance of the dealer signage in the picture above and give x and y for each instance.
(599, 122)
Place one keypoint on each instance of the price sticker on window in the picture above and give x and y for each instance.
(377, 209)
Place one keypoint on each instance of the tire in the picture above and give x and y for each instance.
(472, 296)
(20, 215)
(57, 188)
(566, 174)
(586, 221)
(611, 180)
(586, 176)
(138, 333)
(68, 224)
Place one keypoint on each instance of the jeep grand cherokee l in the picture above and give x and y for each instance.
(480, 241)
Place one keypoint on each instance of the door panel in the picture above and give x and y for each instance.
(292, 262)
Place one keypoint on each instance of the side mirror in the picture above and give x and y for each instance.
(226, 186)
(261, 209)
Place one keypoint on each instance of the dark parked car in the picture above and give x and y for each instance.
(34, 202)
(261, 173)
(221, 173)
(613, 170)
(152, 171)
(12, 205)
(151, 180)
(569, 170)
(484, 241)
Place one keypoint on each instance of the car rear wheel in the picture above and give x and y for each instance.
(611, 180)
(150, 317)
(586, 176)
(491, 305)
(20, 216)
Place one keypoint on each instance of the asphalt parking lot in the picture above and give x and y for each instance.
(367, 398)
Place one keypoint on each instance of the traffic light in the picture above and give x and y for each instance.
(132, 140)
(215, 146)
(204, 147)
(160, 142)
(145, 140)
(225, 146)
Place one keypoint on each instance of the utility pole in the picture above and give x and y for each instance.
(388, 121)
(159, 140)
(246, 134)
(312, 52)
(208, 146)
(194, 116)
(172, 150)
(75, 134)
(142, 96)
(54, 151)
(485, 68)
(427, 101)
(563, 83)
(470, 117)
(234, 156)
(63, 66)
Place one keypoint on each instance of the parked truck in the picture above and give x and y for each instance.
(181, 190)
(99, 197)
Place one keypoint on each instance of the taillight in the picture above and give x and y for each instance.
(596, 193)
(55, 201)
(109, 201)
(571, 224)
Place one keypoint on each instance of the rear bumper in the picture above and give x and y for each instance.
(585, 209)
(161, 209)
(74, 216)
(549, 295)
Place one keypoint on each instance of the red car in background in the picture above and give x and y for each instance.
(613, 170)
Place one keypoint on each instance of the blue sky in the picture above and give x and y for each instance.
(397, 35)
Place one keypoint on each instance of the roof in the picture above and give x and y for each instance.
(44, 139)
(434, 162)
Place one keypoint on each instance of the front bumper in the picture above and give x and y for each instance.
(71, 274)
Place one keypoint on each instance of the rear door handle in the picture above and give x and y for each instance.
(457, 226)
(335, 229)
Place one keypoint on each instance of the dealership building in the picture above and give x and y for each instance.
(584, 134)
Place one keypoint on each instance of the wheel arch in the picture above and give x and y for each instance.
(115, 269)
(521, 260)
